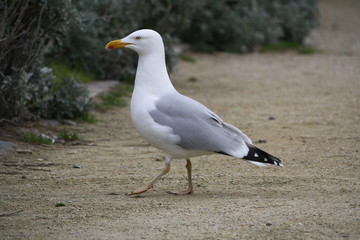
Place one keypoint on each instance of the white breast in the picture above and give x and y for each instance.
(157, 135)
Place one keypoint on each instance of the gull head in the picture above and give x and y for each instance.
(143, 42)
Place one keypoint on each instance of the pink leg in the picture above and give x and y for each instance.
(150, 184)
(189, 190)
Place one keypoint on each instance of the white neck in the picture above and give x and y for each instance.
(151, 74)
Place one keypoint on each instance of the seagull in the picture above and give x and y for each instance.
(178, 125)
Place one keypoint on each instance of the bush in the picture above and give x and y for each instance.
(74, 33)
(103, 21)
(65, 99)
(71, 36)
(244, 25)
(69, 99)
(296, 18)
(27, 27)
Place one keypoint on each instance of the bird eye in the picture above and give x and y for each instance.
(138, 38)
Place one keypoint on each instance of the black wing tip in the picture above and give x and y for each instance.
(258, 155)
(278, 163)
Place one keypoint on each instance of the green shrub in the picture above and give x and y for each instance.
(114, 97)
(102, 21)
(34, 138)
(67, 136)
(26, 28)
(68, 99)
(61, 70)
(296, 18)
(71, 36)
(243, 25)
(60, 204)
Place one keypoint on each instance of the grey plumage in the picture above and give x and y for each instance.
(198, 127)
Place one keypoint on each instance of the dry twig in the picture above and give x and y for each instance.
(6, 214)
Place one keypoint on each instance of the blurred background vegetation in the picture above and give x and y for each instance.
(48, 47)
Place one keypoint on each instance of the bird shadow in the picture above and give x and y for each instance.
(199, 195)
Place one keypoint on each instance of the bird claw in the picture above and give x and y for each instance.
(140, 190)
(183, 192)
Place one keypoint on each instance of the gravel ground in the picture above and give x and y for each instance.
(304, 109)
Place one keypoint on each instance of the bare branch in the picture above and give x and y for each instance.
(6, 214)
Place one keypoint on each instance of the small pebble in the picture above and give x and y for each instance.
(114, 193)
(49, 122)
(6, 146)
(23, 151)
(76, 166)
(69, 122)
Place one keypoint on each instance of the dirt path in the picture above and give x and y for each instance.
(315, 100)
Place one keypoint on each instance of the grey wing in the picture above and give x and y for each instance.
(198, 127)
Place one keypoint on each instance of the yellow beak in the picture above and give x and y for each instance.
(116, 44)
